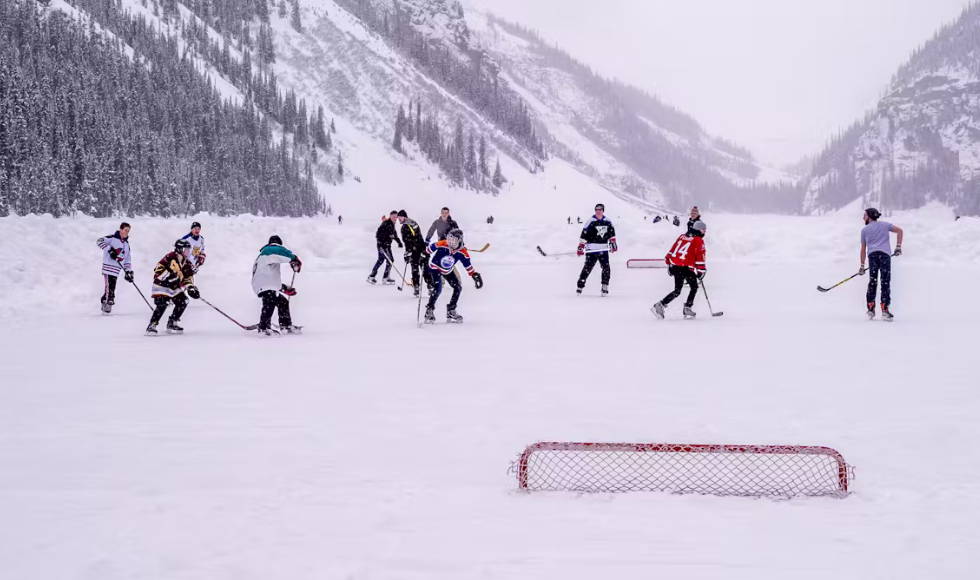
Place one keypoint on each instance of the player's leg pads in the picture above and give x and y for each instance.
(436, 290)
(678, 274)
(590, 261)
(269, 303)
(606, 270)
(162, 302)
(282, 304)
(457, 286)
(180, 304)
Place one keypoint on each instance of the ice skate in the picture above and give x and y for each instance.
(689, 314)
(578, 291)
(388, 281)
(267, 332)
(452, 317)
(430, 316)
(292, 329)
(886, 314)
(372, 280)
(658, 310)
(871, 310)
(605, 290)
(151, 330)
(174, 328)
(415, 292)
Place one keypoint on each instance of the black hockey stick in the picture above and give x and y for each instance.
(141, 295)
(567, 253)
(708, 300)
(822, 289)
(392, 262)
(240, 325)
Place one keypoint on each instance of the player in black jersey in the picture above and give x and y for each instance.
(598, 239)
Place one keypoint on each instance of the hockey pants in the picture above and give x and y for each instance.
(590, 260)
(384, 257)
(682, 275)
(180, 304)
(110, 289)
(453, 281)
(271, 300)
(880, 262)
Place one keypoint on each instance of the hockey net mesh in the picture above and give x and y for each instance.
(740, 470)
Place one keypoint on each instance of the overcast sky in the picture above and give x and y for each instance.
(779, 76)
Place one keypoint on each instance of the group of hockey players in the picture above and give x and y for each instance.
(431, 259)
(428, 261)
(173, 279)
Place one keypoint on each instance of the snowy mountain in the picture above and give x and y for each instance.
(922, 142)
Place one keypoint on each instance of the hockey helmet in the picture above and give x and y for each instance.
(699, 228)
(455, 239)
(182, 247)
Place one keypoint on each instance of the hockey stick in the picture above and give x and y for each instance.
(484, 248)
(240, 325)
(141, 295)
(713, 313)
(390, 261)
(822, 289)
(569, 253)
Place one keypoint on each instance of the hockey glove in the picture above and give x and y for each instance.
(898, 250)
(288, 291)
(581, 250)
(862, 270)
(408, 257)
(702, 274)
(129, 276)
(114, 254)
(612, 246)
(193, 292)
(200, 260)
(295, 264)
(478, 280)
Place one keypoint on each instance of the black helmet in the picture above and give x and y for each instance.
(182, 246)
(873, 214)
(275, 240)
(455, 239)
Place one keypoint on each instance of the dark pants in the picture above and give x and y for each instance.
(271, 300)
(437, 289)
(880, 262)
(110, 289)
(590, 260)
(384, 257)
(180, 304)
(417, 263)
(682, 275)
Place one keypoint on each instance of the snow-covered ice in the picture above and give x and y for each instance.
(371, 449)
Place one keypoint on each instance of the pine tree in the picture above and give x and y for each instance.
(498, 177)
(484, 168)
(340, 165)
(295, 20)
(399, 129)
(471, 157)
(333, 128)
(410, 124)
(282, 8)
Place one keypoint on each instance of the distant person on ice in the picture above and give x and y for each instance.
(656, 219)
(340, 220)
(115, 258)
(876, 247)
(196, 240)
(267, 284)
(442, 226)
(598, 239)
(384, 236)
(685, 262)
(172, 277)
(443, 257)
(569, 220)
(677, 221)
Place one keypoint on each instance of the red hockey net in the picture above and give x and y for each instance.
(742, 470)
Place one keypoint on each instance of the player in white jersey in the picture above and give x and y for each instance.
(196, 240)
(116, 258)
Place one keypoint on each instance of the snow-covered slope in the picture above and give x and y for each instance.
(922, 142)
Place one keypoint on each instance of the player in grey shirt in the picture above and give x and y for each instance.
(876, 248)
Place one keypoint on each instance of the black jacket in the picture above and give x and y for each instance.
(386, 234)
(598, 231)
(412, 235)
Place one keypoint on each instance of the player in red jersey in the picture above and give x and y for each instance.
(685, 262)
